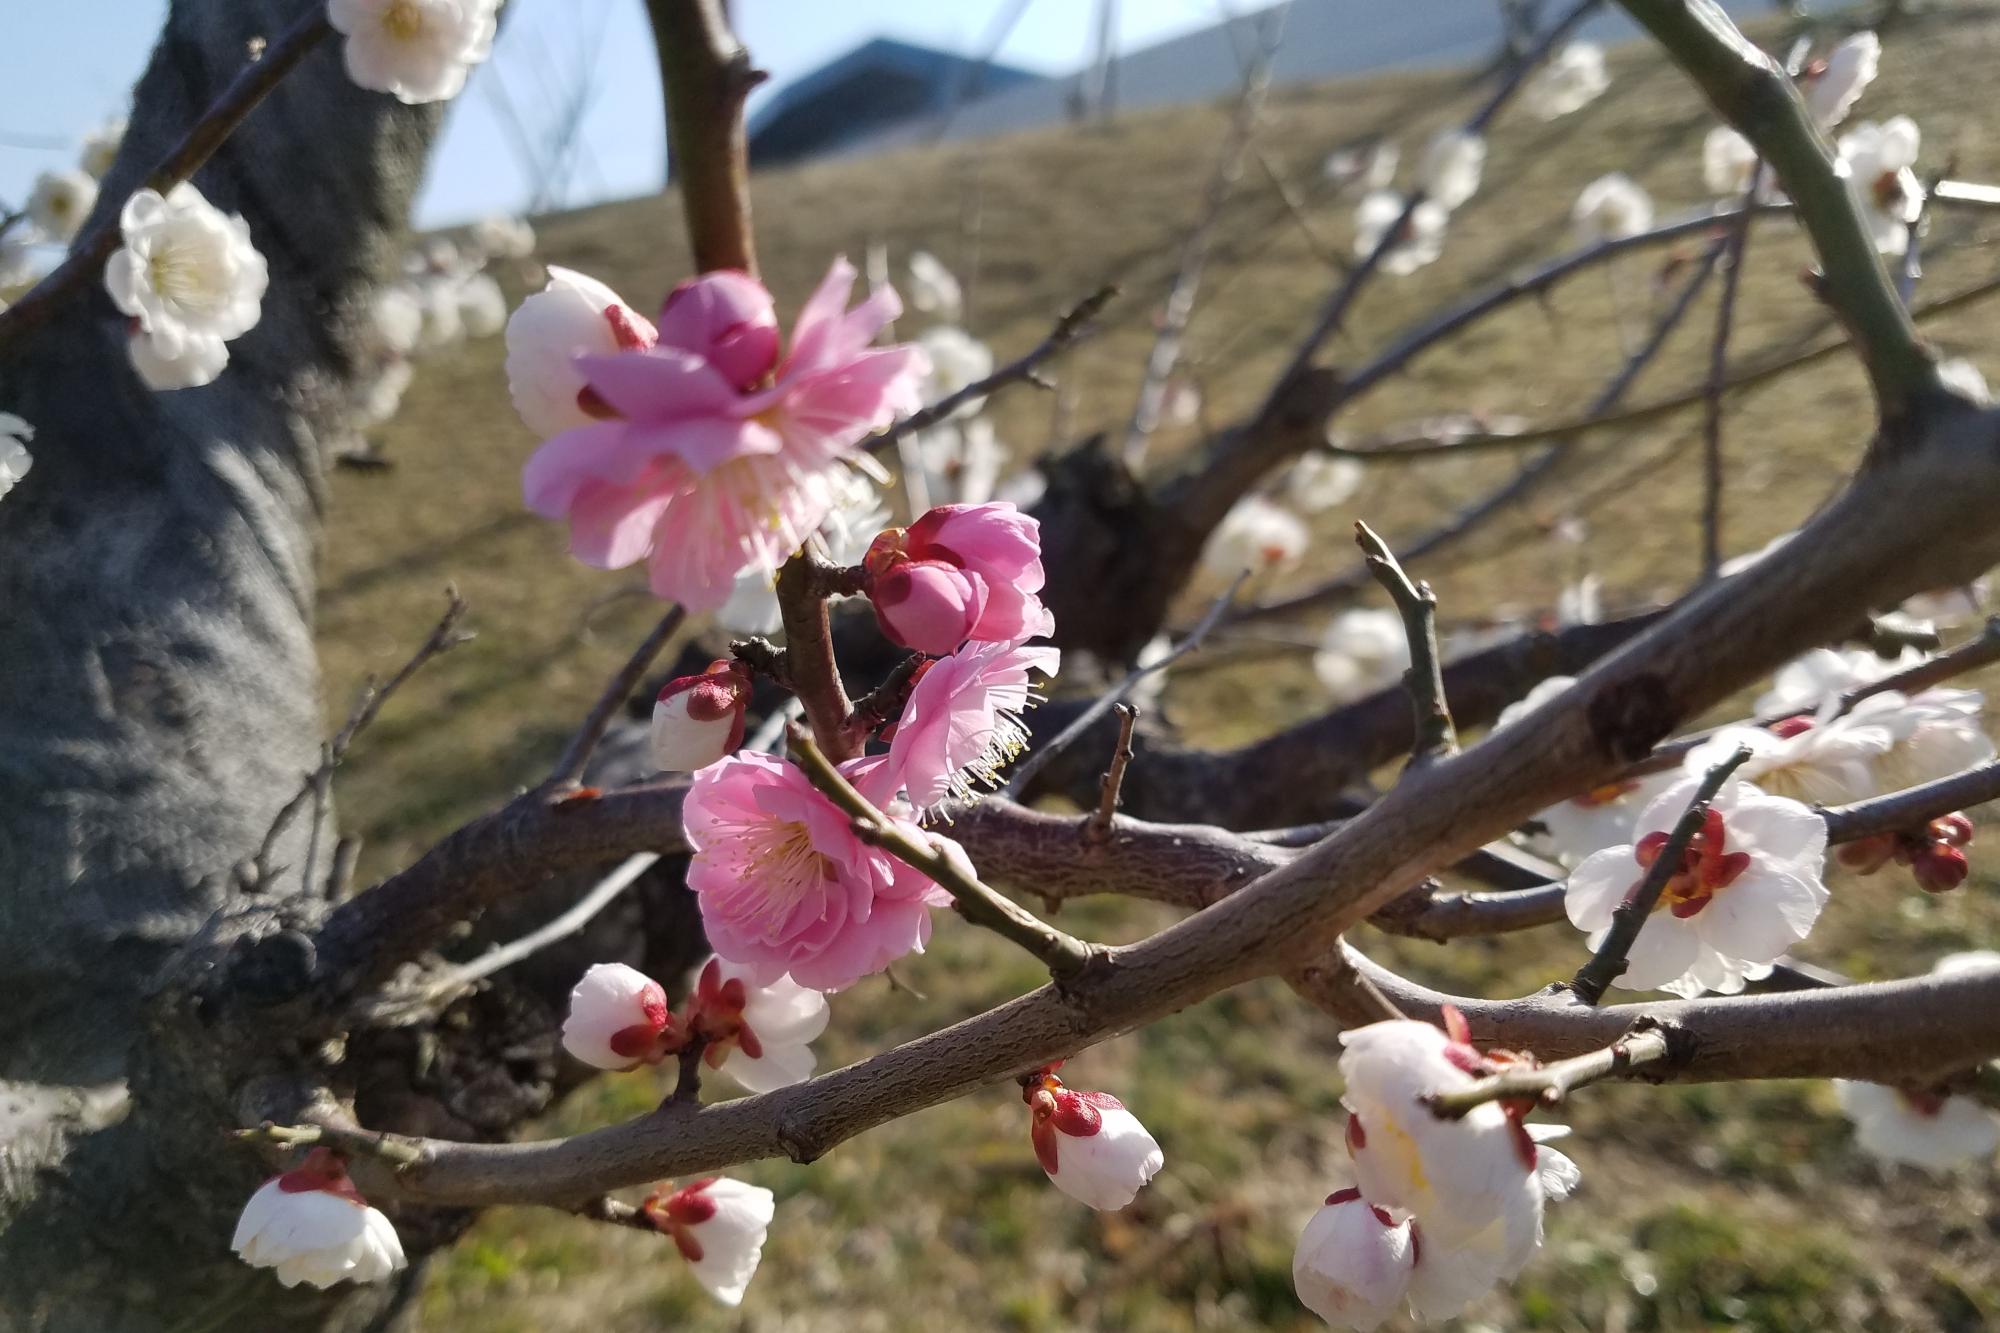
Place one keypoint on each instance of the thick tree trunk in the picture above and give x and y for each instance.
(162, 699)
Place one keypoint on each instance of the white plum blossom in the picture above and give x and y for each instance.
(443, 324)
(1352, 1263)
(1417, 242)
(1823, 760)
(1611, 208)
(379, 397)
(1878, 161)
(934, 288)
(190, 279)
(1457, 1177)
(18, 270)
(1366, 167)
(1932, 734)
(1950, 607)
(15, 460)
(1601, 817)
(719, 1226)
(1749, 888)
(1093, 1149)
(311, 1225)
(419, 50)
(1804, 683)
(482, 307)
(397, 318)
(767, 1031)
(503, 237)
(617, 1015)
(1258, 535)
(1449, 1275)
(1727, 159)
(574, 315)
(1362, 651)
(957, 359)
(962, 461)
(1918, 1127)
(101, 145)
(1834, 84)
(60, 201)
(1570, 80)
(1452, 166)
(1319, 482)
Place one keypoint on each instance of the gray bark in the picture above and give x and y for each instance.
(159, 699)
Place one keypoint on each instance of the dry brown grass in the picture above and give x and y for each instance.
(1702, 1208)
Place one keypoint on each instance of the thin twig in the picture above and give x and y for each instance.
(812, 671)
(1099, 826)
(1981, 650)
(251, 85)
(576, 755)
(687, 1083)
(615, 1212)
(444, 636)
(1547, 1085)
(1024, 773)
(390, 1148)
(1323, 250)
(1064, 955)
(1073, 327)
(1435, 735)
(1166, 350)
(1718, 377)
(1610, 960)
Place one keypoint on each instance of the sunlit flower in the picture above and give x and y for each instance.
(1451, 169)
(15, 460)
(1352, 1263)
(962, 724)
(933, 287)
(758, 1035)
(573, 317)
(502, 237)
(1878, 162)
(419, 50)
(856, 517)
(1727, 159)
(1459, 1176)
(1827, 760)
(698, 719)
(1804, 683)
(1932, 735)
(311, 1225)
(101, 145)
(618, 1019)
(704, 477)
(482, 306)
(957, 359)
(1749, 888)
(1094, 1149)
(1834, 84)
(396, 316)
(1366, 167)
(785, 885)
(1918, 1127)
(1319, 482)
(1361, 652)
(60, 201)
(1258, 536)
(959, 572)
(1450, 1274)
(719, 1226)
(1568, 81)
(1611, 208)
(1417, 241)
(191, 281)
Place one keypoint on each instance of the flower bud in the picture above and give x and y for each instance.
(1939, 868)
(718, 1225)
(1953, 830)
(618, 1019)
(728, 319)
(312, 1225)
(575, 315)
(1094, 1149)
(699, 719)
(927, 605)
(1353, 1262)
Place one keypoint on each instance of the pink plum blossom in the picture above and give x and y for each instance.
(707, 464)
(960, 572)
(1094, 1149)
(783, 883)
(962, 723)
(1748, 889)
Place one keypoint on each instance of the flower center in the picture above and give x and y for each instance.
(188, 275)
(786, 867)
(1706, 866)
(403, 20)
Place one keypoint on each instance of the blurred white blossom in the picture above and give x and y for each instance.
(1877, 161)
(1362, 651)
(1257, 535)
(934, 288)
(1611, 208)
(1417, 242)
(60, 201)
(1571, 79)
(1366, 167)
(100, 147)
(15, 460)
(1452, 166)
(1834, 84)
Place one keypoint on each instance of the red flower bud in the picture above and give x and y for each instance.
(699, 719)
(1939, 869)
(927, 605)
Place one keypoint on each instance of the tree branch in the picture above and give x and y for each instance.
(1425, 678)
(1547, 1085)
(805, 582)
(706, 75)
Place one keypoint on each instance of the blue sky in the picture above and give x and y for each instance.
(69, 66)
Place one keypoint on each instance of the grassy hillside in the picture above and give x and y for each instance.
(1702, 1207)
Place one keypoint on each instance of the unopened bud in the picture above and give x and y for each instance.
(927, 605)
(699, 719)
(1939, 869)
